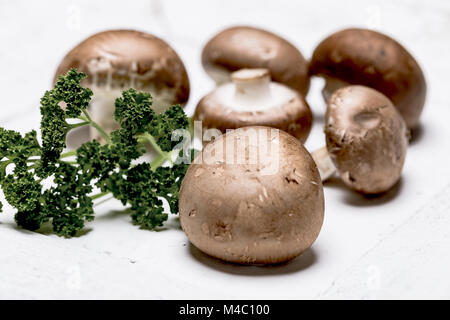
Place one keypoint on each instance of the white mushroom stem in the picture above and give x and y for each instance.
(252, 87)
(101, 110)
(331, 85)
(324, 164)
(102, 105)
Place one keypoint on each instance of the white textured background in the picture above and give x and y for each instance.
(396, 246)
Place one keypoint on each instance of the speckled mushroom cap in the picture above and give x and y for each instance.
(366, 138)
(274, 105)
(247, 47)
(126, 58)
(366, 57)
(252, 212)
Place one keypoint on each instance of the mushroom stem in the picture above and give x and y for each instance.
(323, 161)
(252, 87)
(101, 110)
(331, 85)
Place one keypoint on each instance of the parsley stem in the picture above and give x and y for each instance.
(103, 200)
(80, 124)
(68, 154)
(70, 162)
(191, 126)
(150, 139)
(99, 195)
(159, 160)
(3, 165)
(104, 135)
(162, 156)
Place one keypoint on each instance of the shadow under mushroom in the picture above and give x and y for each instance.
(364, 200)
(302, 262)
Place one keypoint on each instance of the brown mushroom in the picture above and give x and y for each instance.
(369, 58)
(246, 47)
(252, 99)
(253, 196)
(116, 60)
(366, 139)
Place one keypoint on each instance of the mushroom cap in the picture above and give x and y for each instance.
(366, 138)
(293, 115)
(252, 212)
(369, 58)
(247, 47)
(127, 58)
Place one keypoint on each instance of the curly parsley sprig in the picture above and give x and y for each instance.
(76, 176)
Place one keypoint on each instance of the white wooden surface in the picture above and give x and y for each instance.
(396, 246)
